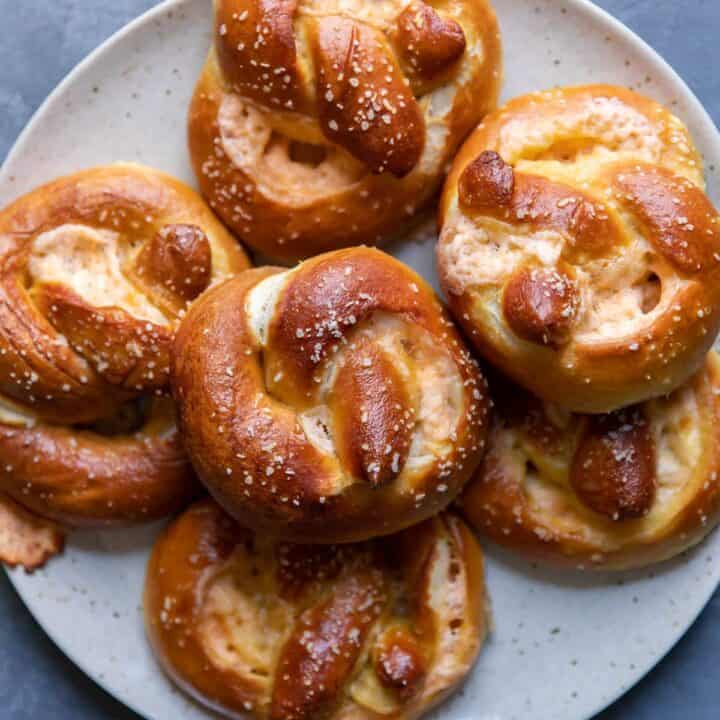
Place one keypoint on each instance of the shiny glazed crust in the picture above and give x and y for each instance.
(590, 492)
(329, 403)
(578, 249)
(251, 627)
(96, 269)
(319, 124)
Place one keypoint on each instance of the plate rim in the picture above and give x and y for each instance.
(614, 27)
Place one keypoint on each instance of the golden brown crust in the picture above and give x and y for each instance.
(308, 114)
(96, 269)
(602, 188)
(83, 478)
(368, 400)
(333, 402)
(427, 42)
(540, 305)
(343, 49)
(381, 629)
(614, 467)
(176, 265)
(610, 492)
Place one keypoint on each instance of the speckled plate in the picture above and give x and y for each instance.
(563, 645)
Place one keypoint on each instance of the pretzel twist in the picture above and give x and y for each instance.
(96, 269)
(385, 628)
(332, 402)
(310, 112)
(621, 490)
(578, 248)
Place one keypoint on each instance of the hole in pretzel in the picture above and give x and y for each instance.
(127, 420)
(307, 154)
(650, 288)
(289, 168)
(304, 167)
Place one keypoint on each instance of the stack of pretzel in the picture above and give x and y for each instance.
(315, 422)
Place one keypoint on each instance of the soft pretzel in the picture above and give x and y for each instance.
(578, 249)
(380, 629)
(633, 487)
(26, 540)
(96, 269)
(327, 123)
(328, 403)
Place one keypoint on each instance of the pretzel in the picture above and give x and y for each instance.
(328, 403)
(328, 123)
(26, 540)
(626, 489)
(381, 629)
(96, 269)
(578, 249)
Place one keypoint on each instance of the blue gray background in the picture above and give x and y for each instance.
(41, 41)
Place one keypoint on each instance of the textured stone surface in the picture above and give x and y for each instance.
(41, 42)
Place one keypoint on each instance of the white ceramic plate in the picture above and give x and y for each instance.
(564, 645)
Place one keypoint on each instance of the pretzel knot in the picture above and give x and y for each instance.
(95, 270)
(620, 490)
(332, 402)
(579, 250)
(310, 112)
(384, 628)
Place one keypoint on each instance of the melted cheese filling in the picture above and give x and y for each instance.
(88, 261)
